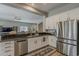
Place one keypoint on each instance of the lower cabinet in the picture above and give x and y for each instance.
(37, 42)
(44, 41)
(52, 41)
(31, 44)
(7, 48)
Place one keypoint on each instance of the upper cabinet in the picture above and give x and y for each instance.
(48, 23)
(51, 22)
(40, 27)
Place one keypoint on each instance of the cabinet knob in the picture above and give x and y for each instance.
(44, 39)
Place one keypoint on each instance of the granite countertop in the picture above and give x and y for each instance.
(21, 37)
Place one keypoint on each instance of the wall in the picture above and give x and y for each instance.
(63, 8)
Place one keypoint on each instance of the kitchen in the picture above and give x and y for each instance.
(38, 29)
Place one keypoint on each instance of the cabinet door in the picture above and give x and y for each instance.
(52, 41)
(37, 42)
(49, 23)
(30, 44)
(44, 41)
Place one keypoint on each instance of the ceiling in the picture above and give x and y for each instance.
(13, 13)
(46, 7)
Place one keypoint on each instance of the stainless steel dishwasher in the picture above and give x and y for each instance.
(22, 47)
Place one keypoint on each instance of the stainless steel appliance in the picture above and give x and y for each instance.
(67, 42)
(52, 31)
(22, 47)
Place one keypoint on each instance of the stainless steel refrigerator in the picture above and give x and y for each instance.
(67, 37)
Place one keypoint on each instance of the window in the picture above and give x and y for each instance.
(23, 29)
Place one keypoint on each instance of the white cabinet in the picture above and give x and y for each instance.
(50, 22)
(33, 43)
(7, 48)
(52, 41)
(44, 41)
(37, 42)
(30, 44)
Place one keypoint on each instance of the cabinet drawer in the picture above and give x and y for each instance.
(4, 47)
(38, 43)
(7, 54)
(6, 43)
(7, 48)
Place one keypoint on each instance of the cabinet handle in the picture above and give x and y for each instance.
(44, 39)
(8, 47)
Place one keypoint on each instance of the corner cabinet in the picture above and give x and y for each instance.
(7, 48)
(37, 42)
